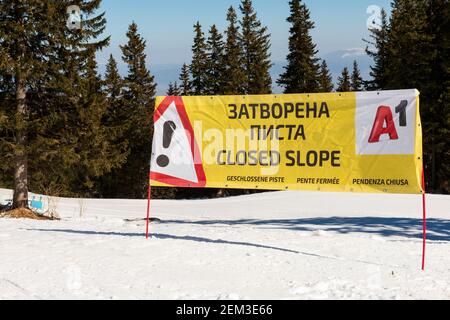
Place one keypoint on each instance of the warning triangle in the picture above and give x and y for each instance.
(176, 158)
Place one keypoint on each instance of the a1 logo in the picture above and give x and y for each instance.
(385, 124)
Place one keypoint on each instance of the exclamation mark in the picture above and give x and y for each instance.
(169, 130)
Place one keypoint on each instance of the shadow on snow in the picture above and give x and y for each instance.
(437, 229)
(198, 239)
(166, 237)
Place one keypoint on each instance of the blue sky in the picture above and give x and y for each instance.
(168, 25)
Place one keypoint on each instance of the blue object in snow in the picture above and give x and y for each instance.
(38, 205)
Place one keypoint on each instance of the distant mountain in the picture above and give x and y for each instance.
(164, 74)
(337, 60)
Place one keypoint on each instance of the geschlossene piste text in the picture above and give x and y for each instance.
(279, 133)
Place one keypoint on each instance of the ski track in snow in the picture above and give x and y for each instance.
(282, 245)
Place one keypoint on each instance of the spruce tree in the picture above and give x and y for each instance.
(185, 81)
(234, 75)
(215, 63)
(255, 44)
(357, 82)
(115, 125)
(344, 81)
(439, 25)
(417, 59)
(96, 151)
(71, 147)
(173, 89)
(176, 89)
(302, 71)
(42, 59)
(22, 62)
(138, 97)
(113, 81)
(82, 137)
(199, 64)
(325, 78)
(380, 54)
(410, 50)
(113, 88)
(435, 95)
(170, 89)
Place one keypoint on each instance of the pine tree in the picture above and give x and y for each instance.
(435, 95)
(114, 123)
(344, 84)
(215, 63)
(176, 89)
(379, 41)
(255, 44)
(199, 65)
(439, 17)
(139, 93)
(173, 90)
(185, 81)
(325, 78)
(113, 88)
(96, 151)
(416, 52)
(77, 131)
(410, 51)
(170, 89)
(302, 72)
(357, 82)
(113, 81)
(20, 55)
(409, 63)
(71, 140)
(42, 58)
(234, 75)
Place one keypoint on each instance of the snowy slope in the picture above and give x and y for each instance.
(284, 245)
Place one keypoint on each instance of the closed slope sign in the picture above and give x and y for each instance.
(345, 142)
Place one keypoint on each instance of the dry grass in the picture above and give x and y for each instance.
(25, 214)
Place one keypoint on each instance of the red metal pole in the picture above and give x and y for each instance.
(424, 197)
(148, 206)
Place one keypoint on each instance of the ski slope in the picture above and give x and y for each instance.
(282, 245)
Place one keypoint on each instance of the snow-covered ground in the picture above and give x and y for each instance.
(284, 245)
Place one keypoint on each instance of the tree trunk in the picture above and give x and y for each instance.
(20, 199)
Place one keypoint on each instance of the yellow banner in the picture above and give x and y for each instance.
(344, 142)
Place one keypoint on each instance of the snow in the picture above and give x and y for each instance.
(282, 245)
